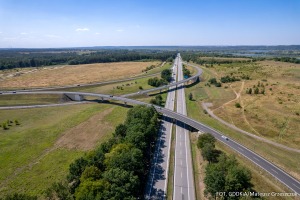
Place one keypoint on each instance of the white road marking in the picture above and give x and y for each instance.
(296, 186)
(241, 149)
(255, 158)
(274, 170)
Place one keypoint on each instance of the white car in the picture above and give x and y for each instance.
(224, 137)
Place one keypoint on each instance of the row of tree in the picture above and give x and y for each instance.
(166, 77)
(229, 79)
(288, 59)
(223, 173)
(118, 168)
(10, 59)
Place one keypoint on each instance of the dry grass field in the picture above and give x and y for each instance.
(275, 114)
(69, 75)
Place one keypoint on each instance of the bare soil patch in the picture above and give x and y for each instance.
(86, 135)
(70, 75)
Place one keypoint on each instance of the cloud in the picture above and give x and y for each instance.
(120, 30)
(97, 33)
(0, 32)
(82, 29)
(23, 33)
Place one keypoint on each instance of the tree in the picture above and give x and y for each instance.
(89, 190)
(91, 173)
(190, 96)
(250, 91)
(256, 91)
(120, 131)
(166, 74)
(75, 170)
(125, 156)
(214, 179)
(209, 153)
(205, 138)
(123, 184)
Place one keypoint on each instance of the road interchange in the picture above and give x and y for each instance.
(275, 171)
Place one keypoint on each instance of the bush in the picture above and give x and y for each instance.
(4, 126)
(17, 122)
(238, 105)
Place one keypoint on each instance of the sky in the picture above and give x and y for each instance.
(84, 23)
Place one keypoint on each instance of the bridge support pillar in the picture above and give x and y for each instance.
(74, 97)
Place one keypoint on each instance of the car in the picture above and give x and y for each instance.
(111, 96)
(224, 137)
(14, 92)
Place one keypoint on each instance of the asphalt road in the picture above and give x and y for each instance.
(158, 177)
(183, 169)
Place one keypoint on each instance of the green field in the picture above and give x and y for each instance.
(29, 160)
(32, 99)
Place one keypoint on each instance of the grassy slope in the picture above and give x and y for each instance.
(20, 99)
(24, 146)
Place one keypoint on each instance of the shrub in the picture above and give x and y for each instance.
(238, 105)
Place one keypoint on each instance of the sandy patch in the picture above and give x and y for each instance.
(86, 135)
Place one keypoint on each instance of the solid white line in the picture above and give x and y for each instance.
(274, 170)
(241, 149)
(296, 186)
(255, 158)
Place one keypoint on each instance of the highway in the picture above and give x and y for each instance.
(275, 171)
(158, 178)
(183, 169)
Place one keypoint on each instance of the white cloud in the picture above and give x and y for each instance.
(0, 32)
(82, 29)
(97, 33)
(23, 33)
(120, 30)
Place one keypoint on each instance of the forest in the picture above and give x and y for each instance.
(21, 58)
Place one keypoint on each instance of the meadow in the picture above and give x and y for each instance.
(61, 75)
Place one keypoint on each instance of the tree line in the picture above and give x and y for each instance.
(222, 173)
(166, 77)
(10, 59)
